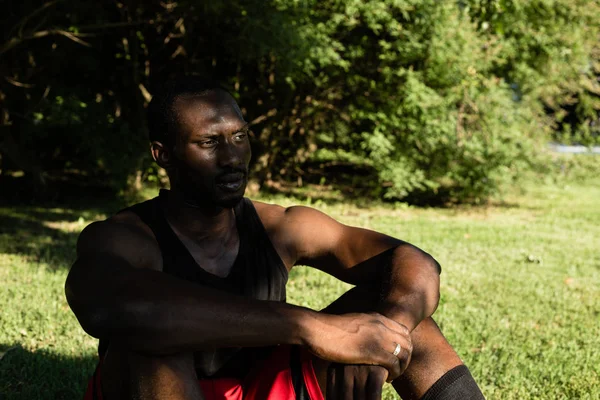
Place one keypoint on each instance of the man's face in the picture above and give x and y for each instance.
(212, 151)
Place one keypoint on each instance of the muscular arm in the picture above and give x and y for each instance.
(406, 277)
(116, 290)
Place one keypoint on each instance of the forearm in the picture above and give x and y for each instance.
(150, 311)
(194, 317)
(410, 287)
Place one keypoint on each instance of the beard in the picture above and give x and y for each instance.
(225, 190)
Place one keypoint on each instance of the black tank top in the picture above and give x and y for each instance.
(258, 272)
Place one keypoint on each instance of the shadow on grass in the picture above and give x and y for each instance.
(43, 375)
(368, 196)
(31, 239)
(73, 197)
(314, 194)
(45, 230)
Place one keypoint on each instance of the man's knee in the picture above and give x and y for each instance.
(142, 376)
(175, 364)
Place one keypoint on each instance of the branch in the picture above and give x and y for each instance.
(15, 41)
(145, 93)
(24, 21)
(112, 25)
(68, 35)
(272, 112)
(19, 84)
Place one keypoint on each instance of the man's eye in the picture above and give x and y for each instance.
(240, 135)
(207, 143)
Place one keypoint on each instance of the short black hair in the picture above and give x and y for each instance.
(163, 120)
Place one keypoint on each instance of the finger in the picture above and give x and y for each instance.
(347, 386)
(385, 358)
(375, 381)
(360, 374)
(394, 369)
(400, 349)
(404, 356)
(331, 391)
(405, 362)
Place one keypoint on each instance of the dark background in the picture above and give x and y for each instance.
(420, 101)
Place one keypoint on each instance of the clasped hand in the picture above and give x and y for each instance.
(361, 348)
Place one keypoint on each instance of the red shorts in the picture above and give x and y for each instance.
(271, 380)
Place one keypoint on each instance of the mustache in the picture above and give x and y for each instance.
(232, 174)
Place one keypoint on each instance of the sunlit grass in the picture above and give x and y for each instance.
(520, 299)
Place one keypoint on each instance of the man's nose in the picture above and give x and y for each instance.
(229, 154)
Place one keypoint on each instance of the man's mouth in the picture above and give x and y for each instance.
(231, 182)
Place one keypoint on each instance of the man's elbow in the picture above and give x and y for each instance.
(92, 318)
(94, 323)
(424, 276)
(430, 270)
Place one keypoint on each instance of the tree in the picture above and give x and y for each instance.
(429, 100)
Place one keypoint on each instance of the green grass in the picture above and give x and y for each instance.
(520, 291)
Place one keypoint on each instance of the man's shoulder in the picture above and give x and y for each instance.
(123, 234)
(297, 230)
(274, 219)
(278, 216)
(270, 214)
(125, 221)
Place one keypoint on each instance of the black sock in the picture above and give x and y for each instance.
(456, 384)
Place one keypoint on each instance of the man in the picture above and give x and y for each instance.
(186, 292)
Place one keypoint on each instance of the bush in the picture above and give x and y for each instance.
(428, 117)
(419, 99)
(565, 168)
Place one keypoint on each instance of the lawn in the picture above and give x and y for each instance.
(520, 290)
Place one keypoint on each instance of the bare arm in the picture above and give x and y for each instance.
(116, 290)
(406, 277)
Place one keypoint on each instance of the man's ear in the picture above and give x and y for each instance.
(161, 154)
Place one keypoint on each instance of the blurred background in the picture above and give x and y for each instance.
(467, 127)
(421, 101)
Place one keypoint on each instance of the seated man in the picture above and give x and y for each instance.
(186, 291)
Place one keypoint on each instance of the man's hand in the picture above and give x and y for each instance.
(366, 339)
(358, 382)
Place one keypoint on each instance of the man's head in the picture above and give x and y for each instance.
(199, 136)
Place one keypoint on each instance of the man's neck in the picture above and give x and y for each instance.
(198, 221)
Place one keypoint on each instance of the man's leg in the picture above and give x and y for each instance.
(130, 375)
(433, 361)
(432, 358)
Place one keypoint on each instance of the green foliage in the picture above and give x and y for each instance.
(570, 168)
(549, 52)
(443, 100)
(427, 115)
